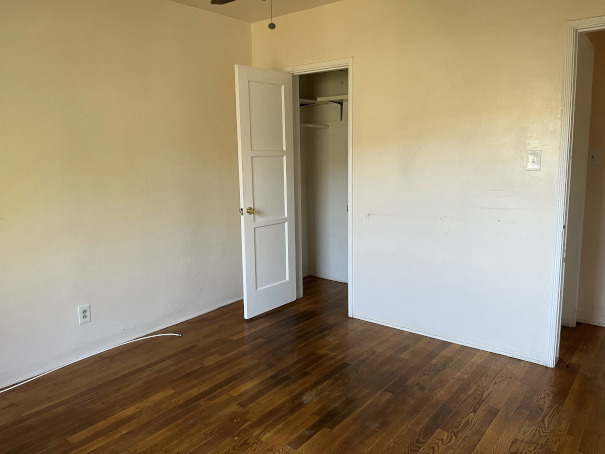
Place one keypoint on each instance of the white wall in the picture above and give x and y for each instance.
(591, 303)
(451, 236)
(118, 173)
(324, 160)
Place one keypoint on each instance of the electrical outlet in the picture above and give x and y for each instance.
(84, 314)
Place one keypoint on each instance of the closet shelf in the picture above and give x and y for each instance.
(336, 99)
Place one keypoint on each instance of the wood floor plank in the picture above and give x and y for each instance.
(306, 378)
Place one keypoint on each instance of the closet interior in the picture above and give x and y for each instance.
(324, 173)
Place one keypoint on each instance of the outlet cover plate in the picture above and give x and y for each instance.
(534, 160)
(84, 314)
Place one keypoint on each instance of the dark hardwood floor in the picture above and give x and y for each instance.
(306, 378)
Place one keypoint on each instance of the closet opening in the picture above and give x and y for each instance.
(324, 174)
(583, 296)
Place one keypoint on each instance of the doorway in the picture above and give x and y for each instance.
(591, 296)
(271, 175)
(324, 163)
(579, 290)
(324, 175)
(577, 180)
(583, 288)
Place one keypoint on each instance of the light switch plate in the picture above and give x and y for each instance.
(534, 160)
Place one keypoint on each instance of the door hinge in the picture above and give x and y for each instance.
(241, 211)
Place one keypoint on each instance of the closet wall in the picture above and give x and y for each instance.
(324, 145)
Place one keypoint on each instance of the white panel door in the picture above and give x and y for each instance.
(266, 171)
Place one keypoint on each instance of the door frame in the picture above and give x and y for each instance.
(577, 193)
(573, 30)
(332, 65)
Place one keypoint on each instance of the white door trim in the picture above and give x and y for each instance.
(574, 28)
(345, 63)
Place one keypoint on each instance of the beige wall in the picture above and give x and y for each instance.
(118, 173)
(591, 302)
(451, 236)
(118, 165)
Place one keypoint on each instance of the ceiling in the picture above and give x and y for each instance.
(256, 10)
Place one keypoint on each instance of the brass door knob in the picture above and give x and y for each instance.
(250, 210)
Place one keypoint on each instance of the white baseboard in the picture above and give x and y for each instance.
(144, 330)
(325, 276)
(457, 341)
(592, 322)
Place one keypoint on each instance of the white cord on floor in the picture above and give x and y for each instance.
(65, 365)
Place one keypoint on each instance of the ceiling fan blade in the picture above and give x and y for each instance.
(221, 2)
